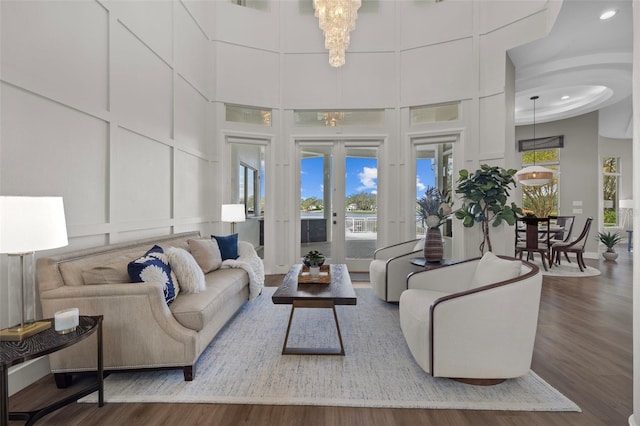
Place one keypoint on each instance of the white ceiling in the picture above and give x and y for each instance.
(585, 58)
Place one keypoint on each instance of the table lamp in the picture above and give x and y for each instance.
(233, 213)
(28, 224)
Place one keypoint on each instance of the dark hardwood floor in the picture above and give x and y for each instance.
(583, 349)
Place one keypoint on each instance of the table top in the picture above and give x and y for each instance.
(421, 261)
(46, 342)
(339, 290)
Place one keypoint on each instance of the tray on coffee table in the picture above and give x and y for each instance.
(305, 276)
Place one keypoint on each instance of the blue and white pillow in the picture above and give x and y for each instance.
(153, 267)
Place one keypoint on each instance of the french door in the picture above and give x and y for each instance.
(338, 200)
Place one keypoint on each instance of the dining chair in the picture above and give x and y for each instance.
(537, 240)
(564, 222)
(576, 247)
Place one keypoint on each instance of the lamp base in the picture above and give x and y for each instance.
(18, 333)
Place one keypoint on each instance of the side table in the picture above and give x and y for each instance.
(44, 343)
(421, 261)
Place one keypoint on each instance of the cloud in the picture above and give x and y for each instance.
(419, 185)
(368, 178)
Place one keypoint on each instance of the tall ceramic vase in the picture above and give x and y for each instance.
(433, 247)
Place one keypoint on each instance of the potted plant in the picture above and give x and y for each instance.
(485, 193)
(434, 209)
(609, 239)
(314, 260)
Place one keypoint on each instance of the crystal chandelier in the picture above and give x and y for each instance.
(534, 175)
(337, 19)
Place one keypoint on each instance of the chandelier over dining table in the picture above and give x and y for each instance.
(337, 19)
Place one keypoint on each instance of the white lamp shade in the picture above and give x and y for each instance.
(626, 204)
(534, 175)
(232, 213)
(31, 223)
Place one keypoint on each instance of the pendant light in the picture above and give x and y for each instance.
(534, 175)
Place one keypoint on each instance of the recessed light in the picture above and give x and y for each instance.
(565, 97)
(607, 14)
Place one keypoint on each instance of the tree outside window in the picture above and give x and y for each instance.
(542, 200)
(610, 182)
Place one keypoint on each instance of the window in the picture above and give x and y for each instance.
(610, 184)
(247, 184)
(541, 200)
(434, 113)
(248, 115)
(368, 118)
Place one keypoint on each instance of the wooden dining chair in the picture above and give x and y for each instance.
(566, 223)
(540, 243)
(576, 247)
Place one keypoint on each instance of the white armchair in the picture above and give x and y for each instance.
(390, 266)
(474, 321)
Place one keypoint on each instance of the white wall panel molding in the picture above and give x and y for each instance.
(142, 85)
(42, 52)
(155, 33)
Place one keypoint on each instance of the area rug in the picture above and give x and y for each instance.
(244, 365)
(566, 269)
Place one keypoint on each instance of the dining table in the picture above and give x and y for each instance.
(538, 231)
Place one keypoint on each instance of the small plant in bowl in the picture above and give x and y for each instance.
(313, 259)
(609, 239)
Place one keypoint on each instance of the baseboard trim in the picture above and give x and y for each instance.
(23, 375)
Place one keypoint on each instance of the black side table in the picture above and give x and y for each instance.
(44, 343)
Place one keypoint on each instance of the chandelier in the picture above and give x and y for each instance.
(337, 19)
(534, 175)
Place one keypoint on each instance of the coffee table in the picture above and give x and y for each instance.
(315, 295)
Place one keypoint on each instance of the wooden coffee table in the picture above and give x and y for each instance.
(315, 295)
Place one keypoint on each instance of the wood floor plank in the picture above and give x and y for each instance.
(583, 349)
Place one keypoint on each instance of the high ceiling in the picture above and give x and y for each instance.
(585, 58)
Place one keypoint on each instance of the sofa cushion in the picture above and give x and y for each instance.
(153, 267)
(187, 270)
(492, 269)
(206, 252)
(228, 245)
(195, 310)
(113, 273)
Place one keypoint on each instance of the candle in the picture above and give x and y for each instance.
(66, 320)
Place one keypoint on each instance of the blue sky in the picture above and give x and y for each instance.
(362, 176)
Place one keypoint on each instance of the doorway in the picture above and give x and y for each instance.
(338, 187)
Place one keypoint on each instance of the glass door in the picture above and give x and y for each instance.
(338, 201)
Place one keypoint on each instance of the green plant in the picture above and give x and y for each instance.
(485, 194)
(609, 239)
(434, 207)
(314, 258)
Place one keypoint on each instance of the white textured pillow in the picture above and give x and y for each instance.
(189, 273)
(491, 269)
(207, 253)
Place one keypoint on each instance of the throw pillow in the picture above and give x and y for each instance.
(187, 270)
(492, 269)
(206, 253)
(228, 245)
(153, 267)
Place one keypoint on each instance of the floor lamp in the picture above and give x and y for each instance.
(28, 224)
(233, 213)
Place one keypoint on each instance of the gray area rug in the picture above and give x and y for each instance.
(244, 365)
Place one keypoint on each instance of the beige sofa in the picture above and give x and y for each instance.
(140, 330)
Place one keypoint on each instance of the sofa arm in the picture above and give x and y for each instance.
(139, 329)
(448, 279)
